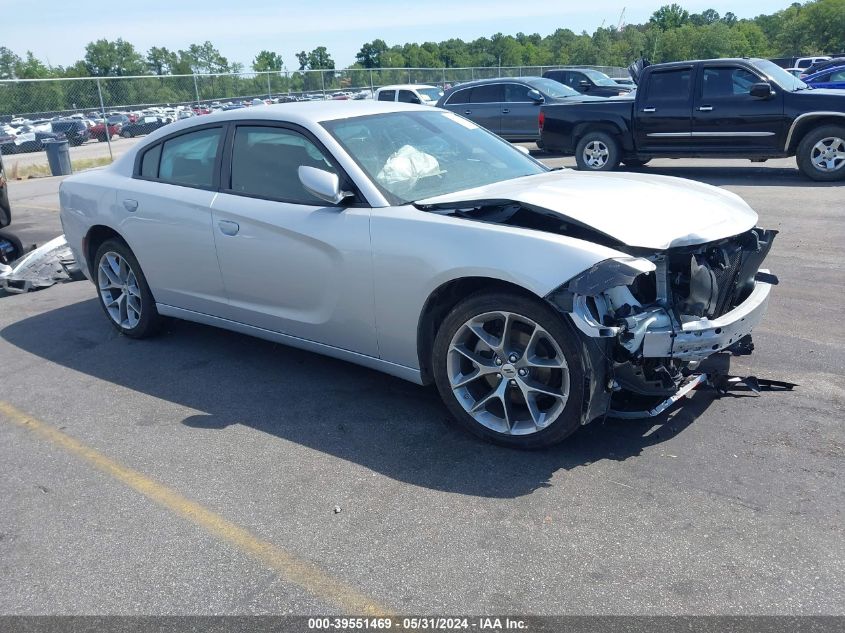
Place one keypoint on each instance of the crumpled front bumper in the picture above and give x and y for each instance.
(699, 339)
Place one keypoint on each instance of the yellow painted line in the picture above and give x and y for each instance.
(26, 205)
(306, 575)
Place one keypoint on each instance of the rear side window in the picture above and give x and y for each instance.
(669, 85)
(387, 95)
(838, 75)
(266, 161)
(149, 162)
(488, 93)
(406, 96)
(189, 159)
(459, 96)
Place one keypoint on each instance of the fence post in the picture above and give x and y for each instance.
(372, 86)
(443, 85)
(105, 119)
(196, 89)
(472, 73)
(323, 82)
(269, 92)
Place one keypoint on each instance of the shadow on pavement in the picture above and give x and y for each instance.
(382, 423)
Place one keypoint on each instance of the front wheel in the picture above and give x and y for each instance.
(821, 154)
(509, 370)
(124, 294)
(597, 151)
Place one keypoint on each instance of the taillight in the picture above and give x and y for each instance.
(541, 119)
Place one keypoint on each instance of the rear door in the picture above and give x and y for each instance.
(485, 106)
(726, 118)
(663, 111)
(519, 113)
(165, 212)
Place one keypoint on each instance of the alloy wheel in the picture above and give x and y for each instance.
(596, 154)
(119, 290)
(508, 373)
(828, 154)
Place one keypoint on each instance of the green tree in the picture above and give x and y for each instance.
(9, 62)
(267, 61)
(371, 53)
(161, 61)
(119, 58)
(318, 59)
(670, 16)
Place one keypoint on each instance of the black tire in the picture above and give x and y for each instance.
(635, 163)
(16, 252)
(149, 321)
(603, 141)
(568, 420)
(804, 154)
(126, 134)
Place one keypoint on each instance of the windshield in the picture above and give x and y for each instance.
(415, 155)
(433, 94)
(600, 79)
(553, 89)
(782, 78)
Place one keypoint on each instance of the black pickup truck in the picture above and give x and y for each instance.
(734, 108)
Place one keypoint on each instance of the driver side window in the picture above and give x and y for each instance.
(266, 161)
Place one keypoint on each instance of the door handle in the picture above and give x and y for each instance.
(505, 110)
(649, 109)
(705, 109)
(467, 111)
(131, 205)
(228, 228)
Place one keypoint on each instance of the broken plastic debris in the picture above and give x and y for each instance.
(46, 265)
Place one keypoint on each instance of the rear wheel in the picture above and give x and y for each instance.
(597, 151)
(509, 370)
(124, 294)
(11, 248)
(821, 153)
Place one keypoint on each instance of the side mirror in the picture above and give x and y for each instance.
(584, 84)
(762, 90)
(416, 100)
(535, 96)
(322, 184)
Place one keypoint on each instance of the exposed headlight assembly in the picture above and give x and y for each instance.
(619, 271)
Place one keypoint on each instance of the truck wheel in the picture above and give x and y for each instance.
(597, 151)
(821, 153)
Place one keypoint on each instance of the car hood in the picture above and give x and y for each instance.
(639, 210)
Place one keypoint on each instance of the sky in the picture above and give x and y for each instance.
(59, 30)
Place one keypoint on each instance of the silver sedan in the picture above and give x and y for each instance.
(412, 241)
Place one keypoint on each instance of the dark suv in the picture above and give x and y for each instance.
(74, 130)
(587, 81)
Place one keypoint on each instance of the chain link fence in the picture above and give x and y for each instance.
(28, 107)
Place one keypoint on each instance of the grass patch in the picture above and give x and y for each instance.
(22, 172)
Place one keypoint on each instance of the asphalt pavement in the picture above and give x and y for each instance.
(205, 472)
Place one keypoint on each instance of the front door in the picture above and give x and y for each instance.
(292, 263)
(519, 113)
(726, 118)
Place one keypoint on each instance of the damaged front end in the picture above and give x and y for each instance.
(662, 314)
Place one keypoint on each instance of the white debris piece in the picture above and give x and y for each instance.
(46, 265)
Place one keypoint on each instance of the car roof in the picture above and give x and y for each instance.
(528, 79)
(405, 87)
(303, 113)
(826, 71)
